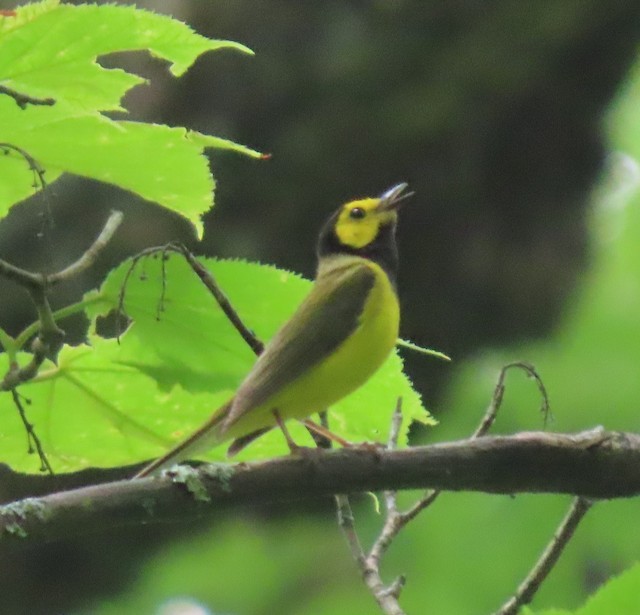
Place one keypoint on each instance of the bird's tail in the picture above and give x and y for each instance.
(204, 438)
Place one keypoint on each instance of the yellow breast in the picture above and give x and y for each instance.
(355, 361)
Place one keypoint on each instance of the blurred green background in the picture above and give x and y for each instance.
(518, 126)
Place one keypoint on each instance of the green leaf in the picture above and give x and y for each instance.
(50, 50)
(91, 410)
(176, 174)
(619, 595)
(18, 179)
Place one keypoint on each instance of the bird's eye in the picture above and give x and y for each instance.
(357, 213)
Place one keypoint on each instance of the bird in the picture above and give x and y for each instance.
(334, 342)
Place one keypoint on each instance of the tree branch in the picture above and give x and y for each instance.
(395, 521)
(42, 281)
(91, 254)
(592, 464)
(50, 337)
(527, 589)
(207, 278)
(369, 564)
(47, 343)
(223, 301)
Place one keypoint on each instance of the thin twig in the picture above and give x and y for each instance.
(396, 520)
(32, 438)
(369, 564)
(391, 524)
(44, 346)
(485, 424)
(120, 310)
(223, 301)
(528, 588)
(498, 394)
(47, 343)
(22, 100)
(69, 310)
(31, 280)
(34, 165)
(91, 254)
(207, 278)
(346, 522)
(550, 556)
(24, 278)
(386, 597)
(162, 305)
(50, 337)
(396, 426)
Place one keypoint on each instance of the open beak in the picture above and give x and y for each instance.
(390, 199)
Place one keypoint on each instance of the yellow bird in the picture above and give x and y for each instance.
(338, 337)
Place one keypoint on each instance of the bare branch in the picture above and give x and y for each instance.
(33, 442)
(593, 464)
(24, 278)
(41, 281)
(396, 425)
(483, 427)
(91, 254)
(50, 336)
(391, 525)
(498, 393)
(207, 278)
(528, 588)
(49, 340)
(223, 301)
(346, 521)
(369, 564)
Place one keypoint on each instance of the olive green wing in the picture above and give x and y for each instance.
(324, 320)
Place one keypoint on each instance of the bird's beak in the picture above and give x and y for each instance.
(391, 199)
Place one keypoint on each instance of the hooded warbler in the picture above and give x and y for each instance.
(337, 338)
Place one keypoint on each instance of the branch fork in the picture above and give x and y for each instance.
(49, 340)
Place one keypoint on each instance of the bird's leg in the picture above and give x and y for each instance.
(293, 447)
(325, 433)
(243, 441)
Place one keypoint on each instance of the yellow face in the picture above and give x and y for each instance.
(359, 222)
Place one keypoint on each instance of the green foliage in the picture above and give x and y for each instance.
(49, 50)
(111, 403)
(620, 596)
